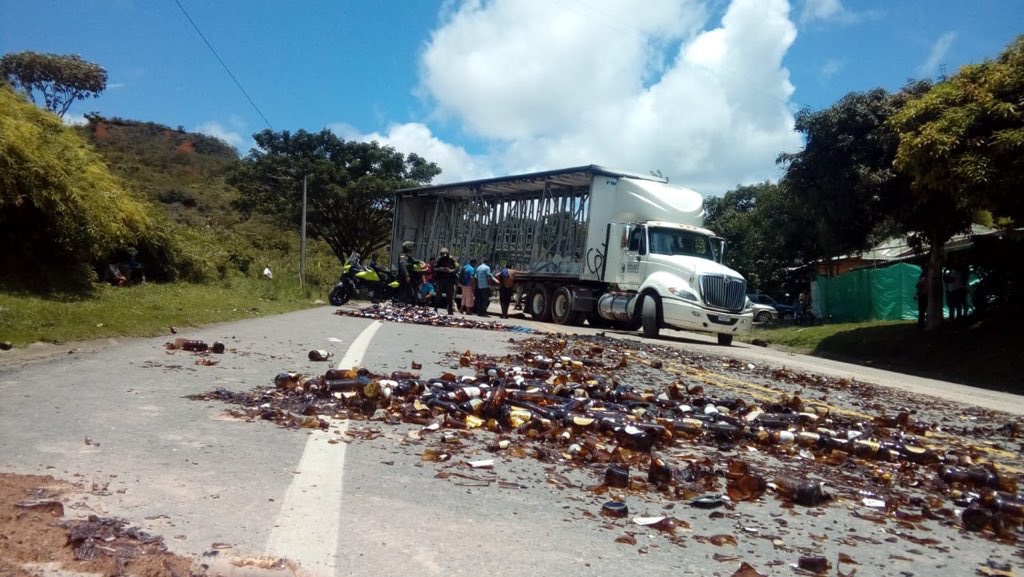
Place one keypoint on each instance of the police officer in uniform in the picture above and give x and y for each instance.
(406, 275)
(444, 276)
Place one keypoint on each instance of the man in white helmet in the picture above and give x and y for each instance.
(444, 276)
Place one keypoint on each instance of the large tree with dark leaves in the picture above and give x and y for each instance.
(765, 231)
(962, 144)
(350, 185)
(844, 176)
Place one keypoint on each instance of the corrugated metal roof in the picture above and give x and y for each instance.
(575, 177)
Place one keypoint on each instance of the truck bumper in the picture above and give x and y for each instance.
(688, 316)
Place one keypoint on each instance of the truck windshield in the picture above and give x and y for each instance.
(673, 241)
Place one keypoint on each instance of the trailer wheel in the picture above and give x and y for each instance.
(540, 303)
(561, 308)
(561, 305)
(724, 339)
(649, 317)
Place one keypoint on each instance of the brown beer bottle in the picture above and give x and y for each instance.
(801, 492)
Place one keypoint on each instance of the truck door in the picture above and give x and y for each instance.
(627, 251)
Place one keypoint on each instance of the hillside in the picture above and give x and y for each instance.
(182, 171)
(185, 174)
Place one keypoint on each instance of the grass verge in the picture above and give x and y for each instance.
(144, 310)
(981, 353)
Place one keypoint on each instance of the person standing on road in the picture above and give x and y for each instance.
(921, 296)
(444, 272)
(406, 275)
(506, 288)
(467, 279)
(484, 281)
(956, 292)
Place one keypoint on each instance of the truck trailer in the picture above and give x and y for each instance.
(587, 243)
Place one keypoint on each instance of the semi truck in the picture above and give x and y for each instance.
(587, 244)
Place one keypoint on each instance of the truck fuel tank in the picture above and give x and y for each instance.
(616, 306)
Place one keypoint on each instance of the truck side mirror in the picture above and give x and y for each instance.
(718, 249)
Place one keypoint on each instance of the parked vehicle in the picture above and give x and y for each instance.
(587, 243)
(764, 313)
(368, 282)
(783, 311)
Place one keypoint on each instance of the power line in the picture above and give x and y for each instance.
(226, 69)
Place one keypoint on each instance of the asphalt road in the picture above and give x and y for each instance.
(184, 470)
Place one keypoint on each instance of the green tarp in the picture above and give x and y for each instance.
(881, 294)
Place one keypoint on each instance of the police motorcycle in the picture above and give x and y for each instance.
(369, 282)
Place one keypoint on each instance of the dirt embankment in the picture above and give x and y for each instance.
(38, 538)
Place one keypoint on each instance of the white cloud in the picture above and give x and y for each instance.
(833, 11)
(456, 164)
(829, 69)
(73, 119)
(218, 130)
(939, 50)
(821, 10)
(555, 84)
(115, 85)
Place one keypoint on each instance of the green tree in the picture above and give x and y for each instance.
(61, 79)
(844, 177)
(962, 144)
(765, 232)
(350, 185)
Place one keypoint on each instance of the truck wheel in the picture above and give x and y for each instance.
(561, 307)
(724, 339)
(649, 317)
(540, 303)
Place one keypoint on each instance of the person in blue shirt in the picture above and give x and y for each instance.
(428, 294)
(467, 278)
(484, 281)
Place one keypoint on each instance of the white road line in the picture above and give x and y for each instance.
(307, 528)
(355, 353)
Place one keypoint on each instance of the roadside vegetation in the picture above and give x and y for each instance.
(142, 310)
(923, 163)
(978, 353)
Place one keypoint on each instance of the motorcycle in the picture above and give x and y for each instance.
(369, 282)
(803, 315)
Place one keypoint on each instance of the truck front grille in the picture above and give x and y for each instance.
(723, 292)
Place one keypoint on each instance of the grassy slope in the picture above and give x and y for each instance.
(984, 354)
(184, 175)
(142, 310)
(182, 172)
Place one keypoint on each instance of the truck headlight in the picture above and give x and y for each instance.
(683, 293)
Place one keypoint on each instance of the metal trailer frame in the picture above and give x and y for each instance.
(537, 223)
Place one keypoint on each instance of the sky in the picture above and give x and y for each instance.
(703, 91)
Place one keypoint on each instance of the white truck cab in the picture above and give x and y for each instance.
(675, 271)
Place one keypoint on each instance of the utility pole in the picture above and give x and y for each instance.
(302, 245)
